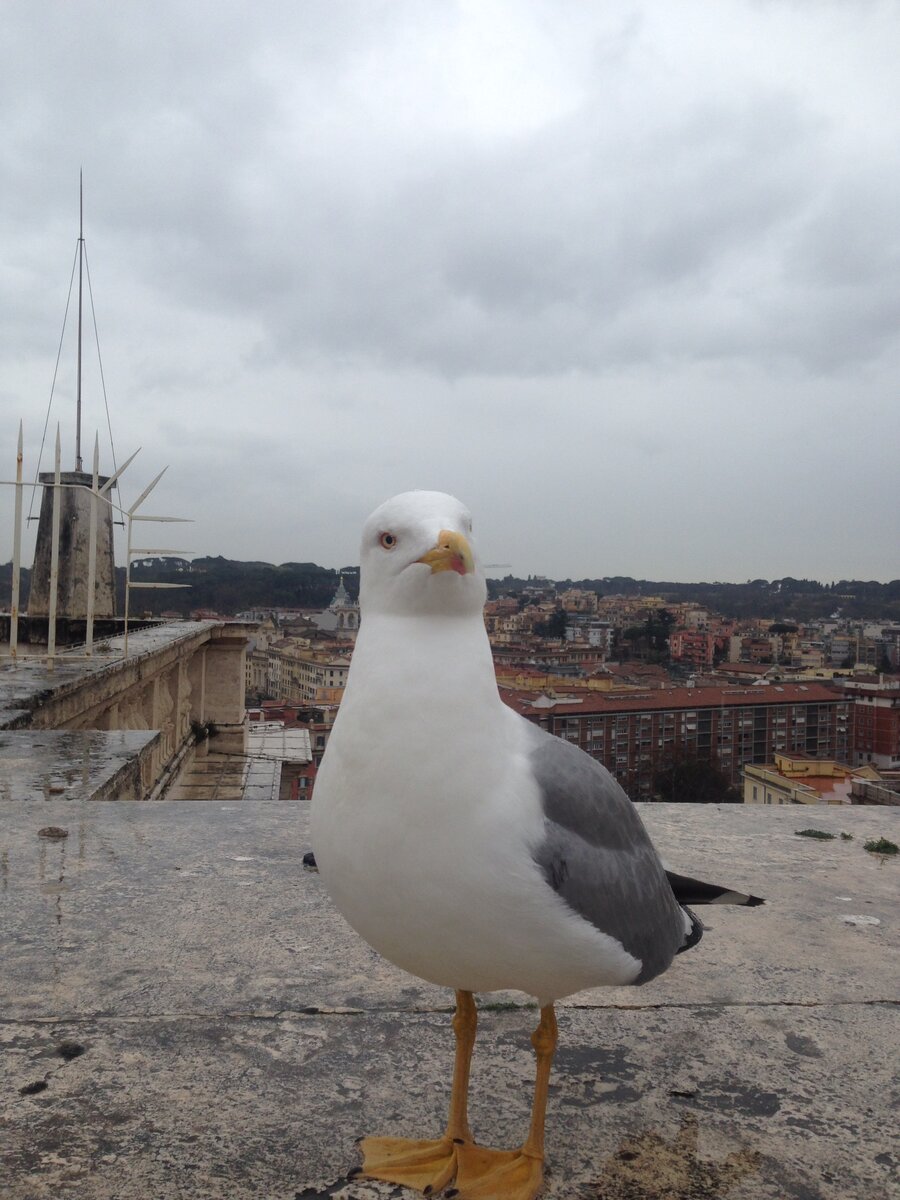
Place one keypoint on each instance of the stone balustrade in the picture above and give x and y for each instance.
(178, 678)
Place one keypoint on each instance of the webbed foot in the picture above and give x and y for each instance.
(485, 1174)
(425, 1164)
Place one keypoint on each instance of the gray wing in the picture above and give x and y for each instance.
(597, 855)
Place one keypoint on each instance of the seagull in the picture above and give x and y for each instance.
(467, 845)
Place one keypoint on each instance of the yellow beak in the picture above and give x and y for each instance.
(452, 553)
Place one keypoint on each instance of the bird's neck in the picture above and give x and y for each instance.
(406, 662)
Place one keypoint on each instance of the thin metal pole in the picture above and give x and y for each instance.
(131, 518)
(17, 555)
(127, 580)
(54, 554)
(80, 273)
(92, 548)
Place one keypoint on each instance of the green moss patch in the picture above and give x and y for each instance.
(881, 846)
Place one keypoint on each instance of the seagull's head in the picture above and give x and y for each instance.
(417, 557)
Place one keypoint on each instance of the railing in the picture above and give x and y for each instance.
(868, 791)
(99, 494)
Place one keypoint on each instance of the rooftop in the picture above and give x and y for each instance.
(666, 698)
(185, 1015)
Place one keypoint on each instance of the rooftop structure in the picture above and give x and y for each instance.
(342, 615)
(796, 779)
(73, 566)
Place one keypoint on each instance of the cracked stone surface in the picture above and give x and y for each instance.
(183, 1014)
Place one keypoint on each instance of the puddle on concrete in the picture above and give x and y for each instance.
(648, 1167)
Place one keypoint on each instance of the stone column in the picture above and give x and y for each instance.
(225, 681)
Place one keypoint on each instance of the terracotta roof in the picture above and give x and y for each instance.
(823, 784)
(522, 702)
(684, 697)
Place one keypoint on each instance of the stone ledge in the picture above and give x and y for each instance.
(177, 677)
(29, 685)
(73, 764)
(239, 1037)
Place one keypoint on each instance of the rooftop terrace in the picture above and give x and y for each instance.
(184, 1014)
(117, 727)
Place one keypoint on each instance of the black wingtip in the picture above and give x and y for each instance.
(696, 891)
(695, 934)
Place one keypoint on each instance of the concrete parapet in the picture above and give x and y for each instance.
(177, 677)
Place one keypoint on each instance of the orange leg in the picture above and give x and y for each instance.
(485, 1174)
(430, 1165)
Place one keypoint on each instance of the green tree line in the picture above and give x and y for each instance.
(229, 586)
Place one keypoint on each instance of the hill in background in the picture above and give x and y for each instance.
(229, 586)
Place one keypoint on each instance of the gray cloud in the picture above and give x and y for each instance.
(598, 268)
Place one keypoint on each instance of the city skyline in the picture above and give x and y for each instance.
(623, 278)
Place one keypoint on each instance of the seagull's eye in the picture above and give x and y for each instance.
(388, 541)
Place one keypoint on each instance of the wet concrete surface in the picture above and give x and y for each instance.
(183, 1014)
(72, 764)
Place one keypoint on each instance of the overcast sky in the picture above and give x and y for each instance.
(624, 277)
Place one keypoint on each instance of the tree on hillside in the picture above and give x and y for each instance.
(650, 641)
(692, 780)
(553, 627)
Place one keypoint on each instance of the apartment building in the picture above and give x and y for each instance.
(876, 723)
(318, 675)
(577, 600)
(638, 734)
(568, 658)
(584, 627)
(256, 667)
(302, 673)
(694, 648)
(623, 611)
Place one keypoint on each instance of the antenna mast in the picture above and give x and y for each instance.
(78, 461)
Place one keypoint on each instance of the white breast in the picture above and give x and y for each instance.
(425, 815)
